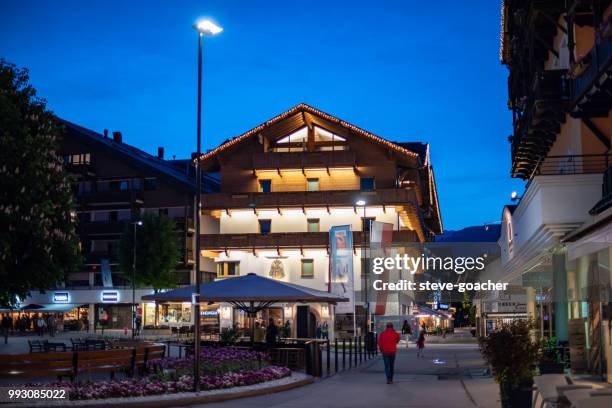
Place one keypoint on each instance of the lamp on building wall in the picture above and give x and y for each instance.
(325, 312)
(204, 28)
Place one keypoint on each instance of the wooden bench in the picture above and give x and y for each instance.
(58, 365)
(103, 361)
(144, 354)
(74, 363)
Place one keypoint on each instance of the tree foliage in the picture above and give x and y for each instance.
(157, 252)
(38, 242)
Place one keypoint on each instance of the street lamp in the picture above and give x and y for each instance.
(204, 28)
(364, 228)
(135, 224)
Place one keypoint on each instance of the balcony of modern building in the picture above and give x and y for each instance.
(107, 227)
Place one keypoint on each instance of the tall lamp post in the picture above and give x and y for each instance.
(364, 228)
(204, 28)
(135, 224)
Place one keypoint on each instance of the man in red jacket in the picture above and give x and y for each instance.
(387, 343)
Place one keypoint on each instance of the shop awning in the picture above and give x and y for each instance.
(50, 308)
(246, 289)
(434, 313)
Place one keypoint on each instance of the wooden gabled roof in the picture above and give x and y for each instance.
(304, 108)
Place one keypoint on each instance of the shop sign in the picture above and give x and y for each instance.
(61, 297)
(209, 313)
(109, 296)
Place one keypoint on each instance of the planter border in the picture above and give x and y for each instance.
(180, 399)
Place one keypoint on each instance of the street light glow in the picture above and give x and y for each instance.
(207, 27)
(360, 203)
(139, 223)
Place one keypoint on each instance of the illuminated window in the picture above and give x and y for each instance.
(265, 186)
(314, 225)
(295, 137)
(307, 268)
(225, 269)
(313, 184)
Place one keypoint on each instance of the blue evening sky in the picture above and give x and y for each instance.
(404, 70)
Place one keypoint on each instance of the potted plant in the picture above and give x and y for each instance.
(512, 356)
(550, 360)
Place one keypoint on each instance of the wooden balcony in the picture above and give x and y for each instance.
(591, 89)
(539, 121)
(301, 160)
(301, 199)
(280, 240)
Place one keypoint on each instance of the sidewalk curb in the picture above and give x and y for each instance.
(179, 399)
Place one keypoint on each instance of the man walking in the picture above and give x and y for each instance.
(387, 343)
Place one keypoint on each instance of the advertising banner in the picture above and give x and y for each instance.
(341, 267)
(107, 277)
(381, 235)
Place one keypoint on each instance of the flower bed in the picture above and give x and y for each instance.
(213, 361)
(155, 386)
(220, 368)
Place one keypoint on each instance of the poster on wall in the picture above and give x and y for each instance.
(341, 267)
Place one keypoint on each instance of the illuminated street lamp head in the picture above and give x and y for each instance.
(514, 196)
(360, 203)
(207, 27)
(139, 223)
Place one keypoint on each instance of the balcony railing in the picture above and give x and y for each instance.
(101, 227)
(323, 159)
(305, 198)
(587, 87)
(287, 240)
(119, 196)
(574, 164)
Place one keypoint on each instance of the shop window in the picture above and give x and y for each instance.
(307, 268)
(367, 184)
(265, 186)
(226, 269)
(265, 226)
(313, 184)
(314, 225)
(124, 185)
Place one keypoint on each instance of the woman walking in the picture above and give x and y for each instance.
(421, 344)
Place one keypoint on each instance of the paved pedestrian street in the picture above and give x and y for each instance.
(451, 375)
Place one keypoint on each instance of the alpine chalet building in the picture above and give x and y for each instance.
(286, 182)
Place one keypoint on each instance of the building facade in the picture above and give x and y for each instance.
(285, 183)
(115, 185)
(556, 242)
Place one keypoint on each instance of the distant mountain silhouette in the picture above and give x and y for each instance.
(479, 233)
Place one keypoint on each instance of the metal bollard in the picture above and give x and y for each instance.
(328, 357)
(336, 354)
(355, 350)
(350, 352)
(344, 354)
